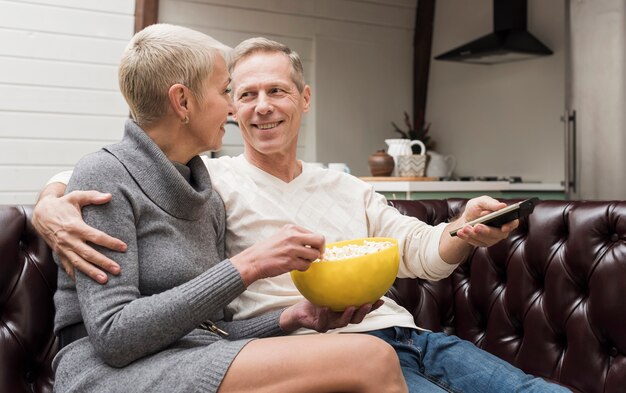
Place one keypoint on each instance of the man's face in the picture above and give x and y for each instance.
(268, 104)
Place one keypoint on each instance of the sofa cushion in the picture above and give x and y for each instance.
(550, 299)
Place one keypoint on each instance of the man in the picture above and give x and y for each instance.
(268, 187)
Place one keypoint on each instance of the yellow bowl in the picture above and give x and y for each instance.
(351, 281)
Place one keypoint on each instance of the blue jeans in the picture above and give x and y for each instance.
(436, 362)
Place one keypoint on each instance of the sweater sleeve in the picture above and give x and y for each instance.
(122, 324)
(418, 241)
(264, 325)
(61, 177)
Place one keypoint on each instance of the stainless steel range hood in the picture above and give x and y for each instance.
(510, 41)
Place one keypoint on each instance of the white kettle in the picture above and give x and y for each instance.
(440, 165)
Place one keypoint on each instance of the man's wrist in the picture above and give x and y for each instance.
(52, 190)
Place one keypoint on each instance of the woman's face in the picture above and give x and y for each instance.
(207, 125)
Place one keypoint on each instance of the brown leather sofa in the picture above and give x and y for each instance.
(551, 299)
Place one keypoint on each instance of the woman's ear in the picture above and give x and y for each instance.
(178, 96)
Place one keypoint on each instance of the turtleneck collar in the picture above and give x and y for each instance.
(159, 178)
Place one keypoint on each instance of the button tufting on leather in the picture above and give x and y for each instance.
(614, 237)
(30, 376)
(613, 352)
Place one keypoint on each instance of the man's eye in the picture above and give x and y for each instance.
(245, 94)
(228, 90)
(276, 90)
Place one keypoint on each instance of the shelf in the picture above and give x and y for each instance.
(426, 189)
(396, 178)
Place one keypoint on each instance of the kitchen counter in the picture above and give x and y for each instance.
(399, 189)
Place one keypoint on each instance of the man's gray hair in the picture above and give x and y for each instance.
(261, 44)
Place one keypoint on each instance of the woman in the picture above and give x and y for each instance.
(158, 326)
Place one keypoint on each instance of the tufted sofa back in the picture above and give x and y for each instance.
(551, 299)
(27, 283)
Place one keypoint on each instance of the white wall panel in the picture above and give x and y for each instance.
(307, 26)
(114, 6)
(28, 125)
(28, 177)
(39, 45)
(33, 72)
(262, 22)
(58, 60)
(360, 99)
(59, 97)
(48, 18)
(61, 100)
(46, 152)
(388, 13)
(304, 46)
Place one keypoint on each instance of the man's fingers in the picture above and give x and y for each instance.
(359, 314)
(68, 267)
(88, 254)
(322, 320)
(87, 268)
(102, 239)
(346, 316)
(307, 254)
(83, 198)
(86, 259)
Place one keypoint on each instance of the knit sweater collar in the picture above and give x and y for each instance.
(157, 176)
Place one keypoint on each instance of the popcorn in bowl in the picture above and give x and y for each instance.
(351, 273)
(352, 250)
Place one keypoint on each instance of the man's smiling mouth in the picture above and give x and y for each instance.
(267, 126)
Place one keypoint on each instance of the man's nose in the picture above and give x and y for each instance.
(264, 105)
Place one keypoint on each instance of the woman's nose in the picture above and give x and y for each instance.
(231, 106)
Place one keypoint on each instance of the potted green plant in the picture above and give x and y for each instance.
(417, 131)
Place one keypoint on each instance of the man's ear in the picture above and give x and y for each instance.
(306, 95)
(178, 96)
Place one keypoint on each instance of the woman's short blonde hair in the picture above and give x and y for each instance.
(262, 44)
(158, 57)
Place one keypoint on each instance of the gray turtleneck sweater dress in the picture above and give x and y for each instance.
(143, 325)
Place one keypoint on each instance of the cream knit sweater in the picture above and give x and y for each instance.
(335, 204)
